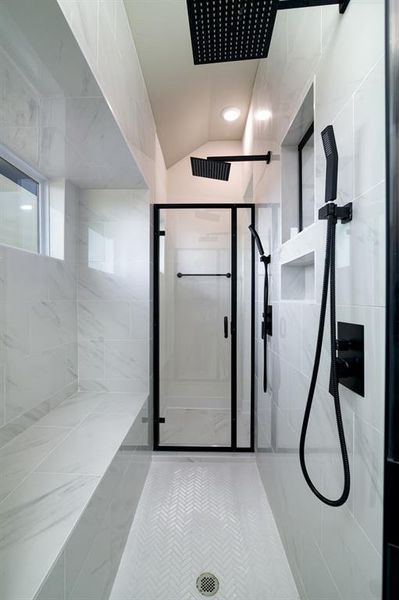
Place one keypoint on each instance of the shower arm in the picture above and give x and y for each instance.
(244, 158)
(284, 4)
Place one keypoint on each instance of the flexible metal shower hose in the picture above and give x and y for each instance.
(329, 274)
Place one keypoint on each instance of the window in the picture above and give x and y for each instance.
(19, 208)
(298, 171)
(306, 179)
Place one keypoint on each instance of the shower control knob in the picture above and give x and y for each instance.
(344, 345)
(347, 367)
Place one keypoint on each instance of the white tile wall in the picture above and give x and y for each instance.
(113, 290)
(335, 554)
(38, 330)
(103, 33)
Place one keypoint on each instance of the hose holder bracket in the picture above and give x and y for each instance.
(340, 213)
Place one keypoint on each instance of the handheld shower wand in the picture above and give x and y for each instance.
(266, 320)
(332, 213)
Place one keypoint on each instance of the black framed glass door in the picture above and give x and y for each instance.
(203, 308)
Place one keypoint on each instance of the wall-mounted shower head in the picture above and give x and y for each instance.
(238, 29)
(331, 152)
(218, 167)
(257, 239)
(211, 169)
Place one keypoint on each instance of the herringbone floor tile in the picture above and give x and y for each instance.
(204, 516)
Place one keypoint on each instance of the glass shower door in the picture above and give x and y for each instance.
(195, 283)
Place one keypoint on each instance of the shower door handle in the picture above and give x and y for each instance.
(226, 327)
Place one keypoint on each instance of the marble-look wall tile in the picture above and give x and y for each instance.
(93, 551)
(368, 484)
(86, 450)
(114, 290)
(54, 586)
(370, 132)
(40, 513)
(25, 452)
(28, 418)
(335, 554)
(38, 329)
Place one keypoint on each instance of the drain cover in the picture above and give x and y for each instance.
(207, 584)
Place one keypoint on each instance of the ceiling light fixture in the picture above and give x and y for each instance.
(263, 114)
(26, 207)
(231, 113)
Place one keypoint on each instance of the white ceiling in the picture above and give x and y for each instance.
(186, 99)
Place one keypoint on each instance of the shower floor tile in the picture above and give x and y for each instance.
(197, 516)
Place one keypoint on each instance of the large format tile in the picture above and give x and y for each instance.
(74, 410)
(35, 522)
(368, 481)
(370, 133)
(25, 452)
(90, 448)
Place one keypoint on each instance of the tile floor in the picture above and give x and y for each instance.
(200, 514)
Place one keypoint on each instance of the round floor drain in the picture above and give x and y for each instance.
(207, 584)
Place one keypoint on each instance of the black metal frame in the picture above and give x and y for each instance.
(391, 484)
(301, 146)
(156, 346)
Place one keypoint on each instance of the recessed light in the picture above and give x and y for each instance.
(231, 113)
(263, 114)
(26, 207)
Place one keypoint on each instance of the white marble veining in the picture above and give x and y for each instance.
(114, 290)
(335, 554)
(35, 521)
(50, 472)
(20, 456)
(90, 448)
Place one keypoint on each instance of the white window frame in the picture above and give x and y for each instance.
(43, 199)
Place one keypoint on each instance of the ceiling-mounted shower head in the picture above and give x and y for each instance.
(331, 152)
(230, 30)
(257, 239)
(212, 169)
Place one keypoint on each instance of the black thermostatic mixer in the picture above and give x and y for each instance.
(350, 353)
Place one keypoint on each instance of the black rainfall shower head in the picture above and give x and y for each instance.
(257, 239)
(212, 169)
(228, 30)
(331, 152)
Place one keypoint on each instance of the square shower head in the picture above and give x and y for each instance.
(212, 169)
(229, 30)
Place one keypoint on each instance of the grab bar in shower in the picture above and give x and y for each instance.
(228, 275)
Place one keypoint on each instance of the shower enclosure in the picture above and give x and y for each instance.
(204, 302)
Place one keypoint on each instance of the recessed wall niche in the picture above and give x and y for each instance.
(297, 278)
(297, 171)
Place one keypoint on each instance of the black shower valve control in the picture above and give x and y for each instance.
(339, 213)
(347, 367)
(350, 356)
(344, 345)
(267, 324)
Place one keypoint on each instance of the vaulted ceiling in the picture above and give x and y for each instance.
(186, 100)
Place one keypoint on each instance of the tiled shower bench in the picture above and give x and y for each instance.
(69, 487)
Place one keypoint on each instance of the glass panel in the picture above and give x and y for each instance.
(18, 208)
(308, 183)
(244, 299)
(195, 357)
